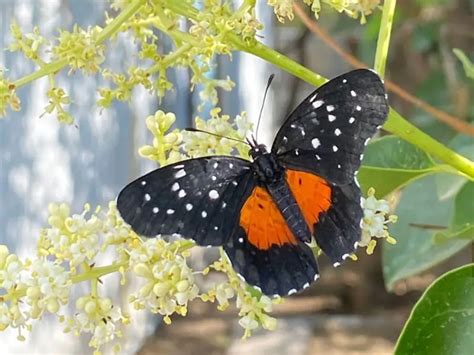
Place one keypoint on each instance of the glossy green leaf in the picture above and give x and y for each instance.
(442, 321)
(420, 215)
(390, 163)
(462, 223)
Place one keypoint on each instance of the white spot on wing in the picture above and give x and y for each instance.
(306, 285)
(292, 291)
(336, 264)
(224, 204)
(178, 166)
(216, 228)
(297, 152)
(344, 81)
(330, 108)
(337, 132)
(356, 182)
(180, 174)
(367, 141)
(331, 118)
(316, 277)
(181, 193)
(189, 207)
(215, 165)
(155, 209)
(345, 256)
(318, 157)
(316, 143)
(358, 108)
(231, 165)
(147, 197)
(335, 148)
(170, 211)
(361, 156)
(241, 240)
(203, 214)
(213, 178)
(351, 120)
(318, 103)
(175, 187)
(353, 93)
(213, 194)
(143, 183)
(235, 183)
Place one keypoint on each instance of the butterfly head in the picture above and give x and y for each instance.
(257, 150)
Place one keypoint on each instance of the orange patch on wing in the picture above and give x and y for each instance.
(312, 193)
(262, 221)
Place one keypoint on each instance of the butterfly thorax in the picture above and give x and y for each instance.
(266, 166)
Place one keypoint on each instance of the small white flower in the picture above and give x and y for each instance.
(376, 218)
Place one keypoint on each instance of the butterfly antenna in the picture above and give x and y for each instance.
(191, 129)
(270, 79)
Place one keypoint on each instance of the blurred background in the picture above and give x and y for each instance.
(41, 161)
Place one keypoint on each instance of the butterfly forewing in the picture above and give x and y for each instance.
(327, 132)
(198, 199)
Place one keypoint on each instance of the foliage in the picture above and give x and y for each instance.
(72, 248)
(442, 321)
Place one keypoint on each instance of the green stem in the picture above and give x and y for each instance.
(106, 33)
(97, 272)
(381, 54)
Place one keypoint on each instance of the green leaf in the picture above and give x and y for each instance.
(464, 206)
(462, 223)
(466, 63)
(420, 214)
(442, 321)
(391, 163)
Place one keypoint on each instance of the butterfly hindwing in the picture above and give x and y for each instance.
(197, 198)
(279, 270)
(266, 253)
(339, 228)
(327, 132)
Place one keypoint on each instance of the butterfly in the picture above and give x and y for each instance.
(264, 212)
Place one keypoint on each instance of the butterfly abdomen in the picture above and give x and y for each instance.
(291, 212)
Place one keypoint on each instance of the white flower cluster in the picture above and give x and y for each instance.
(175, 145)
(96, 316)
(201, 144)
(376, 218)
(284, 8)
(252, 304)
(168, 281)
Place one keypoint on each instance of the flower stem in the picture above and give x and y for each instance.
(106, 33)
(97, 272)
(383, 41)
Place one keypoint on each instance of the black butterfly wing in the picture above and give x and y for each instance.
(279, 270)
(198, 199)
(327, 132)
(339, 229)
